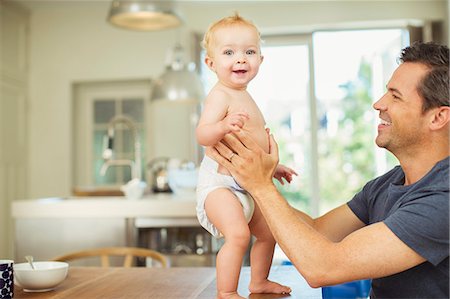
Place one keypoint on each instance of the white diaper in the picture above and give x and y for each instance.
(209, 180)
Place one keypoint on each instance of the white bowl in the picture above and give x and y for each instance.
(134, 189)
(45, 276)
(183, 181)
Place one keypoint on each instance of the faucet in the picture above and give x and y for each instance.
(136, 170)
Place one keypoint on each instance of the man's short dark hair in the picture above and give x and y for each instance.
(434, 85)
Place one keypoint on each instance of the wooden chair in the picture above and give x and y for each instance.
(104, 253)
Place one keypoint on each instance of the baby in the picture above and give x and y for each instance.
(223, 208)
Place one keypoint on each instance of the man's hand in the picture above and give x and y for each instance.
(246, 160)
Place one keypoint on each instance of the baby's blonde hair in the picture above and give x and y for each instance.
(235, 19)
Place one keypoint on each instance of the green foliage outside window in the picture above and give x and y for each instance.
(348, 159)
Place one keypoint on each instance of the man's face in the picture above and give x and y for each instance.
(403, 124)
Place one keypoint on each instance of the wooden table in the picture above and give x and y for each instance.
(157, 283)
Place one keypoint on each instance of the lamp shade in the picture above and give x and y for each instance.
(179, 81)
(143, 15)
(176, 85)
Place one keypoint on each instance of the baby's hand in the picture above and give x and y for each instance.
(234, 121)
(284, 172)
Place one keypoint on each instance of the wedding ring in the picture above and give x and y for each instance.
(231, 156)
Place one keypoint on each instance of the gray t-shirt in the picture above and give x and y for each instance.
(418, 215)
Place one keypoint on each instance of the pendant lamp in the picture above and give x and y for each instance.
(179, 81)
(143, 15)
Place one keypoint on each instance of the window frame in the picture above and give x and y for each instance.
(84, 96)
(306, 39)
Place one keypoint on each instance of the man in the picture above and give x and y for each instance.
(396, 229)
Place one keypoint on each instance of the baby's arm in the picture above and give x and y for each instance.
(215, 120)
(284, 172)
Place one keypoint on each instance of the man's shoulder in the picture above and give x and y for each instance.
(437, 179)
(443, 165)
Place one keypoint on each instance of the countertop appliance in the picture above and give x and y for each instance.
(159, 179)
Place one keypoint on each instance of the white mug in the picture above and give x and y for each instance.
(6, 279)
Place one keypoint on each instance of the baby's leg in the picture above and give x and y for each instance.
(225, 211)
(261, 256)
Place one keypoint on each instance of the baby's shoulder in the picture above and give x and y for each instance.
(219, 95)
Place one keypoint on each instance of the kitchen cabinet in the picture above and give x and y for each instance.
(49, 227)
(45, 238)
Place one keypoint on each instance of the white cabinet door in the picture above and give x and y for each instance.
(66, 235)
(13, 124)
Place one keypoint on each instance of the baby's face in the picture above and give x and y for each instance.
(236, 55)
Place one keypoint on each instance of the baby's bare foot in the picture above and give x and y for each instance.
(232, 295)
(267, 286)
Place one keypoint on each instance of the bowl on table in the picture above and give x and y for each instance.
(45, 277)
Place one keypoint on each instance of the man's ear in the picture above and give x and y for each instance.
(210, 63)
(440, 118)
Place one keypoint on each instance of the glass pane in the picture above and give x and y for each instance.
(115, 175)
(110, 177)
(351, 70)
(134, 108)
(104, 110)
(128, 144)
(281, 92)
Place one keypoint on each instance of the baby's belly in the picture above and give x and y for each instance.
(258, 135)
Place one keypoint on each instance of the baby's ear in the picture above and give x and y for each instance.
(210, 63)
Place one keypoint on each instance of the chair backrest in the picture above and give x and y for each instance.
(104, 253)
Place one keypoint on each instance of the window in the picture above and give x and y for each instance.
(351, 70)
(95, 104)
(325, 124)
(285, 105)
(104, 111)
(165, 129)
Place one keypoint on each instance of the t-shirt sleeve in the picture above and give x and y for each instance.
(359, 206)
(423, 225)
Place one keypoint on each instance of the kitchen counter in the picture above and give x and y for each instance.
(82, 222)
(151, 206)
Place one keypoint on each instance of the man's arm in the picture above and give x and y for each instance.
(336, 224)
(326, 250)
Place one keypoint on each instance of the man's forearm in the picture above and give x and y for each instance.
(308, 219)
(306, 248)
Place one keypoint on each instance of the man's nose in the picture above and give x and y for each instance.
(380, 104)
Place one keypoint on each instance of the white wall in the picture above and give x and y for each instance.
(71, 42)
(447, 22)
